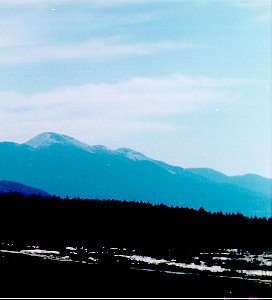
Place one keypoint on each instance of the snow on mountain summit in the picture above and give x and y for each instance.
(135, 155)
(47, 139)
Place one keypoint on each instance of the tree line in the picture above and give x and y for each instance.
(159, 229)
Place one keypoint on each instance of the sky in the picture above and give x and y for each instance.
(187, 82)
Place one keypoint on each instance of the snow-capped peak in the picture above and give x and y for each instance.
(49, 138)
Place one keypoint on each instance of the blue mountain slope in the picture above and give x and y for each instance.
(254, 183)
(66, 167)
(15, 187)
(251, 182)
(210, 174)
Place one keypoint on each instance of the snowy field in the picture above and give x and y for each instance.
(231, 263)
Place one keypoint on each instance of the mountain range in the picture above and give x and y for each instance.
(64, 166)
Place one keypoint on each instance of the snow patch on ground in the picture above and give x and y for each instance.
(40, 251)
(192, 266)
(154, 261)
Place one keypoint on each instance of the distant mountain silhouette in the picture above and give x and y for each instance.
(15, 187)
(64, 166)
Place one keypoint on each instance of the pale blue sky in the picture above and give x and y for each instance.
(187, 82)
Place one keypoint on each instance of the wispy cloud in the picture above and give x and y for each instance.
(97, 2)
(40, 35)
(138, 105)
(254, 4)
(13, 33)
(92, 49)
(264, 17)
(262, 9)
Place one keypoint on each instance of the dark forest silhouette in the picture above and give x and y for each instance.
(158, 229)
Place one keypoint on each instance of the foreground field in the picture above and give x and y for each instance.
(52, 247)
(35, 272)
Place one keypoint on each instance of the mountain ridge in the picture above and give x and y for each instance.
(16, 187)
(66, 167)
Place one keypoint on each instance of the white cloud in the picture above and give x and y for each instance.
(134, 98)
(254, 4)
(263, 9)
(92, 49)
(97, 2)
(264, 17)
(109, 111)
(13, 33)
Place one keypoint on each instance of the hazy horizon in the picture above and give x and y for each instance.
(184, 82)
